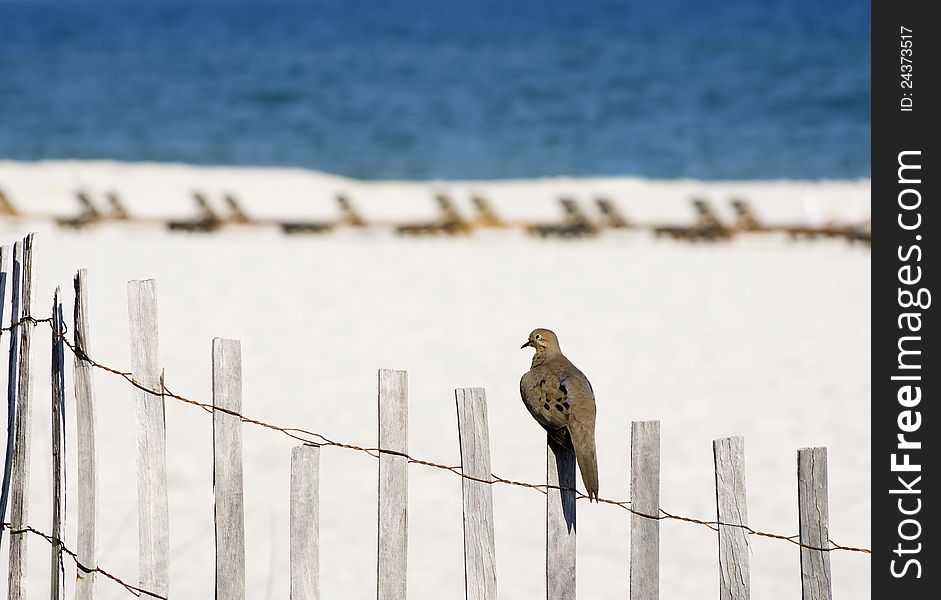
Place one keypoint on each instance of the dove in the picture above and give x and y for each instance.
(560, 398)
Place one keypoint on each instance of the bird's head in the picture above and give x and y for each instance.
(543, 340)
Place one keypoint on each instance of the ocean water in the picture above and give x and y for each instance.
(428, 89)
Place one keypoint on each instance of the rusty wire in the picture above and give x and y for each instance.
(139, 592)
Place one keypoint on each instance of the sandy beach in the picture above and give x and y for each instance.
(760, 336)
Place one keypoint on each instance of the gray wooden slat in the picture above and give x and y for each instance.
(12, 370)
(393, 485)
(58, 406)
(734, 573)
(814, 515)
(85, 426)
(19, 492)
(480, 572)
(4, 259)
(560, 523)
(227, 469)
(645, 499)
(153, 512)
(305, 523)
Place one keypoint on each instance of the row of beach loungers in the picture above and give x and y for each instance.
(575, 222)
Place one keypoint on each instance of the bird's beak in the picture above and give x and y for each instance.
(528, 343)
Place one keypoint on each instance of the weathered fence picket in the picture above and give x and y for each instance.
(305, 523)
(814, 515)
(11, 377)
(58, 443)
(645, 499)
(734, 575)
(4, 258)
(19, 492)
(153, 511)
(85, 426)
(480, 571)
(227, 469)
(560, 522)
(393, 485)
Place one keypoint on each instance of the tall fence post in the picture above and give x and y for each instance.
(480, 571)
(734, 574)
(645, 499)
(393, 485)
(227, 469)
(560, 522)
(11, 378)
(58, 443)
(154, 518)
(814, 514)
(85, 426)
(305, 523)
(19, 493)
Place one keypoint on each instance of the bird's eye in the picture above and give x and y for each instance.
(538, 337)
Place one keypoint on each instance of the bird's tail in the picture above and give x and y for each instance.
(588, 464)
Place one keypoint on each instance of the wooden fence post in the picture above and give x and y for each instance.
(734, 574)
(227, 469)
(813, 507)
(393, 485)
(58, 443)
(12, 370)
(154, 518)
(480, 572)
(19, 493)
(645, 499)
(560, 522)
(305, 523)
(85, 426)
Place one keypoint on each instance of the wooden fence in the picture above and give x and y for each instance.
(149, 393)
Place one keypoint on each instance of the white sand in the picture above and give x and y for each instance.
(759, 337)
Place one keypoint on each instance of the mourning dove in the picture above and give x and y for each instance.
(560, 398)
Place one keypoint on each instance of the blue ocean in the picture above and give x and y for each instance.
(437, 89)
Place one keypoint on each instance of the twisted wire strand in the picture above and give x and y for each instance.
(137, 591)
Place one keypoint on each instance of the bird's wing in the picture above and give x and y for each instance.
(581, 426)
(546, 402)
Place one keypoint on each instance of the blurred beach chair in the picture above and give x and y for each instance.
(486, 216)
(745, 217)
(89, 215)
(830, 230)
(707, 227)
(6, 207)
(862, 233)
(118, 211)
(449, 222)
(312, 227)
(206, 221)
(349, 216)
(237, 215)
(575, 223)
(746, 220)
(613, 219)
